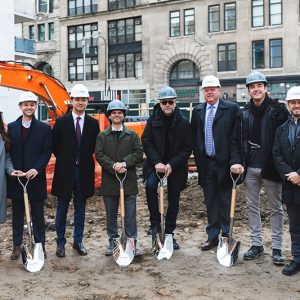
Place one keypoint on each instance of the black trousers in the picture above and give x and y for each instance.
(37, 216)
(294, 220)
(217, 201)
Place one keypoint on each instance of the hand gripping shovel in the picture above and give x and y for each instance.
(33, 254)
(124, 250)
(162, 242)
(228, 248)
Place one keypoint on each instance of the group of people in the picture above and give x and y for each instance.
(260, 142)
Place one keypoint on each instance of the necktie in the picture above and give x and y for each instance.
(78, 131)
(209, 140)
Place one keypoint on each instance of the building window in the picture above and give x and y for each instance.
(45, 6)
(75, 64)
(41, 32)
(79, 7)
(31, 32)
(125, 65)
(118, 4)
(279, 90)
(77, 33)
(189, 21)
(185, 69)
(276, 53)
(174, 23)
(214, 18)
(275, 12)
(125, 31)
(229, 16)
(50, 31)
(258, 54)
(226, 57)
(257, 13)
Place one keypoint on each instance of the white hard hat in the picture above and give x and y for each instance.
(79, 91)
(210, 81)
(293, 93)
(28, 96)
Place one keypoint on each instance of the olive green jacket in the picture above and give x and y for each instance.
(110, 150)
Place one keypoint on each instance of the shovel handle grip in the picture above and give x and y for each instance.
(122, 204)
(161, 199)
(27, 211)
(233, 200)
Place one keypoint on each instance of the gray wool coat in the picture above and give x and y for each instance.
(6, 166)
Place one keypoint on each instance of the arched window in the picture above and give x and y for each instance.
(184, 72)
(46, 68)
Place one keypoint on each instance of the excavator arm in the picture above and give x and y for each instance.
(49, 89)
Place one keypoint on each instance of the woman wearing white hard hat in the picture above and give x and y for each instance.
(286, 155)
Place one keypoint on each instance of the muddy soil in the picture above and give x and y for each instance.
(189, 274)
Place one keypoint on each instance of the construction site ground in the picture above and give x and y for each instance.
(189, 274)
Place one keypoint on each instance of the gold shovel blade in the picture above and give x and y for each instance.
(123, 257)
(33, 259)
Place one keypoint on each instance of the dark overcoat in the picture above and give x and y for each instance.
(109, 150)
(65, 149)
(33, 154)
(180, 140)
(226, 119)
(287, 159)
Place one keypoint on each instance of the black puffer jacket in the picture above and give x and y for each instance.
(275, 115)
(180, 141)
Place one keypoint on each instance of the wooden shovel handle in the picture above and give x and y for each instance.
(122, 204)
(233, 200)
(161, 199)
(27, 211)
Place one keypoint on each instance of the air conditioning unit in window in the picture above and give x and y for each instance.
(94, 62)
(137, 22)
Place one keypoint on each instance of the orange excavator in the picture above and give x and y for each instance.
(51, 91)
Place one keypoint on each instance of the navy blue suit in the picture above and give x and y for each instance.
(34, 153)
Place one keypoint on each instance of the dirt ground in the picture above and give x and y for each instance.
(189, 274)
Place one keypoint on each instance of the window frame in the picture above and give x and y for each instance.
(224, 17)
(42, 25)
(271, 58)
(31, 32)
(212, 22)
(92, 8)
(185, 25)
(263, 15)
(137, 57)
(170, 22)
(270, 15)
(117, 4)
(227, 61)
(50, 31)
(253, 55)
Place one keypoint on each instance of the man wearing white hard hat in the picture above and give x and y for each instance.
(31, 148)
(286, 153)
(74, 138)
(260, 119)
(213, 124)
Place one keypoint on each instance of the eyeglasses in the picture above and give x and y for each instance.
(165, 102)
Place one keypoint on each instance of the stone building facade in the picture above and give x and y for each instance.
(137, 46)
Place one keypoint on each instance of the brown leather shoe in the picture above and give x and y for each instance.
(15, 253)
(210, 244)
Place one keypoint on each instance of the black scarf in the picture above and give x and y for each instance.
(257, 112)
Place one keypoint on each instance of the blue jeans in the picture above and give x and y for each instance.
(79, 213)
(111, 206)
(153, 206)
